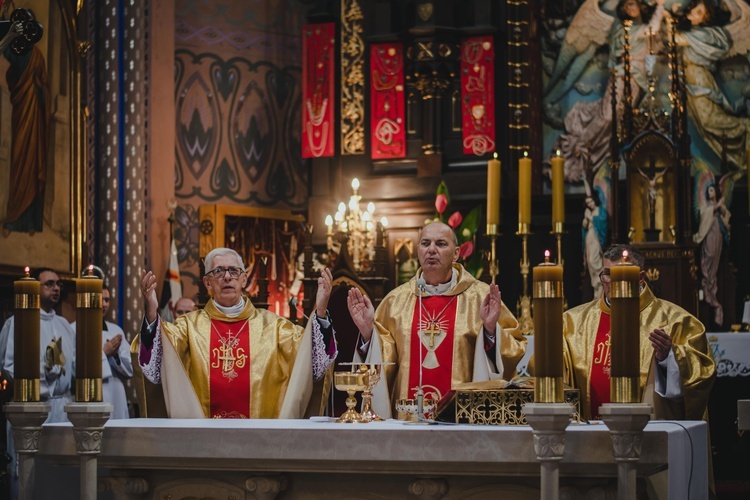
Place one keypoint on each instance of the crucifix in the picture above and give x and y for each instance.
(652, 234)
(432, 330)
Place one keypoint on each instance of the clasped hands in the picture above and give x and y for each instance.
(661, 342)
(363, 312)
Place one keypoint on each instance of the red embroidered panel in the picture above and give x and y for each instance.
(318, 62)
(387, 107)
(478, 95)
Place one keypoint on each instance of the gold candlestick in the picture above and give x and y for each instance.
(493, 233)
(525, 321)
(557, 230)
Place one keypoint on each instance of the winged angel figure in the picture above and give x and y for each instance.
(587, 123)
(709, 207)
(703, 45)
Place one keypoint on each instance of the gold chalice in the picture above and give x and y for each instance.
(373, 369)
(351, 382)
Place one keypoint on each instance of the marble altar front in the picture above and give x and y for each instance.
(245, 459)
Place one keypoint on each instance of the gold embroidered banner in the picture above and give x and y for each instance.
(318, 61)
(478, 95)
(387, 108)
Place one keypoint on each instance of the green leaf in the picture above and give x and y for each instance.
(470, 222)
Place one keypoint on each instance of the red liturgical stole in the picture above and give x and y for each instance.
(432, 346)
(229, 369)
(601, 363)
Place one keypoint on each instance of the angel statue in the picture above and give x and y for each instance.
(595, 231)
(588, 123)
(703, 45)
(713, 233)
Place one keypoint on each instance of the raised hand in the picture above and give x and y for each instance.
(324, 292)
(148, 289)
(661, 343)
(490, 310)
(362, 312)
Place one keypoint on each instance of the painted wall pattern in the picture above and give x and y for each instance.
(237, 96)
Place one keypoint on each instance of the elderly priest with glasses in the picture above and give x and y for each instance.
(231, 360)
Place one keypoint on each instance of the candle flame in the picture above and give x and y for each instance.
(546, 255)
(494, 155)
(558, 153)
(384, 221)
(624, 255)
(329, 220)
(525, 154)
(355, 183)
(91, 269)
(26, 270)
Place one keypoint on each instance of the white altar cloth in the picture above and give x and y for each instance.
(394, 448)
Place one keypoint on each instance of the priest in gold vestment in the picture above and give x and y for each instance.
(231, 360)
(677, 368)
(454, 326)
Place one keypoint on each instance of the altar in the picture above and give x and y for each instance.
(161, 458)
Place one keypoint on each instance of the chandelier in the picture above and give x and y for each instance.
(362, 233)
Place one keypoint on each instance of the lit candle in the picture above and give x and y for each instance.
(625, 318)
(524, 189)
(329, 224)
(26, 339)
(558, 196)
(88, 338)
(493, 191)
(548, 311)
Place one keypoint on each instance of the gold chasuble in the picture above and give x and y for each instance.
(587, 356)
(255, 365)
(451, 346)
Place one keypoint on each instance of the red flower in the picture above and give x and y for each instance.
(466, 249)
(441, 203)
(455, 220)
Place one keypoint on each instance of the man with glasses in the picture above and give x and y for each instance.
(231, 360)
(56, 356)
(677, 369)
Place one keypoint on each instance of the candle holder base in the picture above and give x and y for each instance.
(549, 390)
(625, 389)
(26, 421)
(548, 422)
(626, 423)
(88, 421)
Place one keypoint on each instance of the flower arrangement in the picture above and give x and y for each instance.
(465, 229)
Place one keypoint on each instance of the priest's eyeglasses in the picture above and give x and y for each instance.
(220, 272)
(605, 277)
(52, 283)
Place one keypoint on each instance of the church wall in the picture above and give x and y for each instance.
(237, 107)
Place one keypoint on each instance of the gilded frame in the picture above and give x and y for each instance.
(59, 246)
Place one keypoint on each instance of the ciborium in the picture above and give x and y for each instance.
(351, 382)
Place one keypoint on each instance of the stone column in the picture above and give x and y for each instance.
(26, 421)
(626, 422)
(548, 421)
(88, 426)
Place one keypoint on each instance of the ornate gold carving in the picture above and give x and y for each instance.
(502, 406)
(432, 86)
(83, 48)
(652, 275)
(353, 79)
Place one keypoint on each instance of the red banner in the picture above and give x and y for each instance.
(478, 95)
(318, 60)
(229, 369)
(387, 107)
